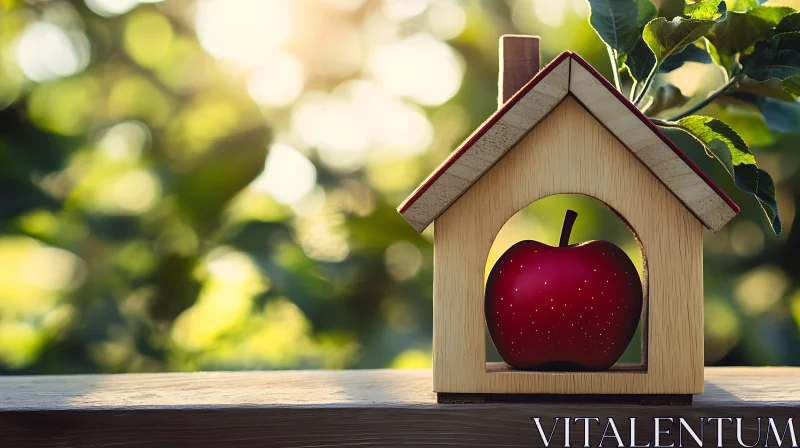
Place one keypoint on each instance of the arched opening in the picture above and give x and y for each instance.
(542, 221)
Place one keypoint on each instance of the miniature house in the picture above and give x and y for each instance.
(566, 129)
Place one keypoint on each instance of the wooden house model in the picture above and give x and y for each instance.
(565, 129)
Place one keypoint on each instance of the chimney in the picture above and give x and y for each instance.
(519, 62)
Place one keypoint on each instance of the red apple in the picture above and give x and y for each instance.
(571, 307)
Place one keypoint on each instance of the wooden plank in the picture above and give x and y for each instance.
(570, 152)
(347, 408)
(725, 386)
(519, 62)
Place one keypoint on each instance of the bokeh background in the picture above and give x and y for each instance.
(212, 185)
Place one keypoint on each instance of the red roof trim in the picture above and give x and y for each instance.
(657, 131)
(527, 88)
(482, 130)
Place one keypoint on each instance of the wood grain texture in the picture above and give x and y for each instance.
(664, 162)
(341, 408)
(519, 62)
(725, 386)
(490, 147)
(570, 152)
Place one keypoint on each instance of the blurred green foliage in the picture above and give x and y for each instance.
(212, 185)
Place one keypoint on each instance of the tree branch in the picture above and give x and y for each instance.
(706, 101)
(664, 123)
(612, 54)
(646, 84)
(646, 106)
(633, 89)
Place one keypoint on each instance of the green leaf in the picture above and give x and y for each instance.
(772, 87)
(766, 197)
(719, 149)
(619, 23)
(782, 66)
(666, 38)
(787, 41)
(666, 97)
(779, 58)
(779, 115)
(747, 121)
(743, 5)
(725, 61)
(743, 29)
(692, 53)
(792, 85)
(732, 152)
(640, 61)
(704, 9)
(789, 23)
(670, 8)
(771, 16)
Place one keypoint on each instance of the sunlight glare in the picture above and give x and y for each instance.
(581, 7)
(243, 31)
(136, 192)
(110, 8)
(446, 19)
(400, 10)
(402, 260)
(278, 83)
(394, 126)
(331, 124)
(551, 13)
(311, 204)
(324, 238)
(49, 268)
(340, 54)
(357, 119)
(420, 67)
(694, 76)
(46, 52)
(124, 141)
(760, 289)
(344, 5)
(288, 175)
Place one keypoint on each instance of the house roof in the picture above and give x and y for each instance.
(568, 74)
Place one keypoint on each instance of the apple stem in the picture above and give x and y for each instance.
(566, 229)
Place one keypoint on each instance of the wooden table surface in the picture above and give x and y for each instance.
(347, 408)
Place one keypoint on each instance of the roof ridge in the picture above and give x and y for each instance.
(537, 102)
(653, 127)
